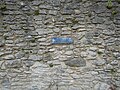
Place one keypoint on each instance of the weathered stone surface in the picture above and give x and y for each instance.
(102, 86)
(2, 53)
(28, 60)
(35, 57)
(28, 63)
(99, 8)
(56, 30)
(68, 52)
(74, 88)
(109, 67)
(19, 55)
(93, 49)
(8, 57)
(76, 62)
(100, 62)
(114, 62)
(43, 31)
(13, 64)
(2, 42)
(98, 20)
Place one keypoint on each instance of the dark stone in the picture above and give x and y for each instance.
(99, 8)
(96, 33)
(28, 63)
(19, 55)
(67, 12)
(57, 40)
(34, 88)
(55, 3)
(89, 35)
(76, 62)
(98, 20)
(117, 22)
(6, 84)
(117, 42)
(97, 41)
(13, 63)
(2, 42)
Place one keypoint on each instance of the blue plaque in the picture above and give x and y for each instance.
(58, 40)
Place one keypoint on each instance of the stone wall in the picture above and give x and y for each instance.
(28, 60)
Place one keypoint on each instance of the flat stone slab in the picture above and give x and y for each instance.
(76, 62)
(59, 40)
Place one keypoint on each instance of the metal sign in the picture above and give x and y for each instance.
(58, 40)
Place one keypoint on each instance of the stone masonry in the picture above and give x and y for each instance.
(29, 61)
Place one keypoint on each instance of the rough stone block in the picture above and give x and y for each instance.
(76, 62)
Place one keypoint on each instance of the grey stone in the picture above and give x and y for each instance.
(66, 32)
(63, 88)
(34, 88)
(45, 7)
(99, 8)
(6, 83)
(74, 88)
(35, 57)
(22, 3)
(93, 49)
(75, 27)
(55, 3)
(109, 67)
(96, 33)
(51, 12)
(97, 41)
(66, 28)
(39, 22)
(116, 54)
(67, 12)
(2, 74)
(2, 53)
(43, 12)
(83, 54)
(13, 64)
(94, 73)
(8, 57)
(114, 62)
(23, 44)
(77, 11)
(92, 53)
(38, 18)
(36, 3)
(117, 42)
(2, 42)
(110, 40)
(19, 55)
(28, 63)
(56, 30)
(117, 22)
(68, 52)
(89, 35)
(43, 31)
(52, 49)
(100, 62)
(1, 62)
(42, 39)
(3, 66)
(76, 62)
(98, 20)
(101, 86)
(117, 83)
